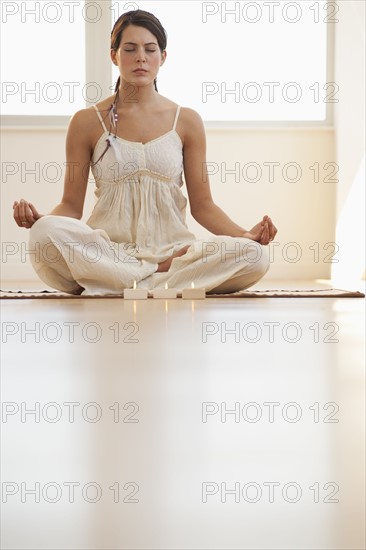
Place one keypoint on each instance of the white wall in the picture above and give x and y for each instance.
(303, 211)
(349, 123)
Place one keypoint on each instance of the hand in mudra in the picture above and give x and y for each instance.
(263, 232)
(25, 214)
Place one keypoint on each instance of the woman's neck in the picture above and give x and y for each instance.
(131, 96)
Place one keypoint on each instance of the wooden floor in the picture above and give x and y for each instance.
(216, 424)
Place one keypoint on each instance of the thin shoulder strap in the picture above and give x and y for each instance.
(100, 118)
(176, 117)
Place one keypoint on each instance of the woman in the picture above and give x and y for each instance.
(137, 230)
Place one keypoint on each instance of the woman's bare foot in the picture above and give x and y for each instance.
(165, 265)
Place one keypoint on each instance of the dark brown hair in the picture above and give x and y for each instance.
(139, 18)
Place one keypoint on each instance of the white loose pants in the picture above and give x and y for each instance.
(70, 256)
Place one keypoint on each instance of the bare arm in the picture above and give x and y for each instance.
(203, 208)
(78, 153)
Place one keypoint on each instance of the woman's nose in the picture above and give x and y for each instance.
(141, 56)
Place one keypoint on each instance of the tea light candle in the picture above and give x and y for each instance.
(165, 293)
(135, 293)
(193, 293)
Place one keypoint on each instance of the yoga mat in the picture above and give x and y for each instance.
(281, 293)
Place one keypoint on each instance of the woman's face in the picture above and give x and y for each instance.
(138, 49)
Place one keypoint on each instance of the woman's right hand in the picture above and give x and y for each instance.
(25, 214)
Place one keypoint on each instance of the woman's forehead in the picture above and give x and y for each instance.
(135, 33)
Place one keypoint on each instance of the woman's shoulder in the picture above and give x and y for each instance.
(88, 113)
(82, 119)
(186, 113)
(191, 116)
(190, 125)
(85, 122)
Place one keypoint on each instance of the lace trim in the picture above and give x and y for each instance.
(141, 171)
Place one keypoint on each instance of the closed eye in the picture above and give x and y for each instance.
(150, 51)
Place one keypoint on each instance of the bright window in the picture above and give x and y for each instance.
(245, 61)
(249, 61)
(43, 57)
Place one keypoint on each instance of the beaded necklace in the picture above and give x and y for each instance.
(113, 115)
(113, 119)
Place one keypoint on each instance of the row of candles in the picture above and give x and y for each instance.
(164, 293)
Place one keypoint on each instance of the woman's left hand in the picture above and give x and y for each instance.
(263, 232)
